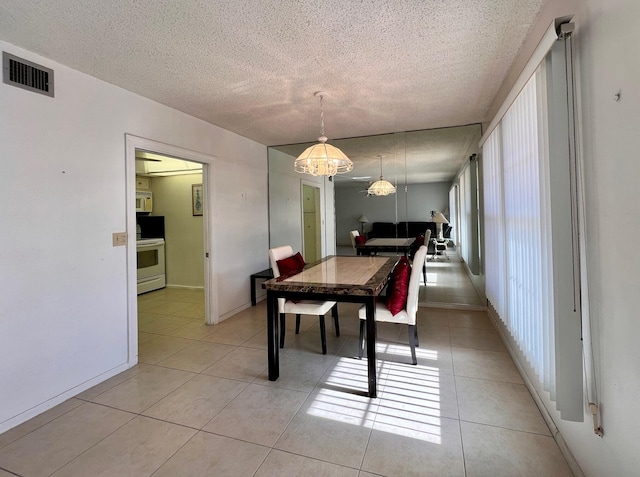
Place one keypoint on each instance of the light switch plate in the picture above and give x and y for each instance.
(119, 238)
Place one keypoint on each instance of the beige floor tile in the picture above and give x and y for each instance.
(501, 452)
(98, 389)
(311, 342)
(417, 394)
(164, 307)
(259, 414)
(244, 364)
(162, 324)
(197, 357)
(195, 402)
(469, 319)
(208, 454)
(333, 426)
(6, 474)
(499, 404)
(194, 330)
(144, 389)
(349, 374)
(40, 420)
(409, 449)
(259, 341)
(280, 463)
(53, 445)
(299, 371)
(236, 333)
(477, 339)
(137, 448)
(144, 337)
(495, 365)
(155, 350)
(195, 311)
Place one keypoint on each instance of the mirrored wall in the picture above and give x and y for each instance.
(425, 167)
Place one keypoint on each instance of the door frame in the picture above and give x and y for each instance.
(319, 214)
(210, 260)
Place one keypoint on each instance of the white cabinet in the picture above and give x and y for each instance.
(142, 183)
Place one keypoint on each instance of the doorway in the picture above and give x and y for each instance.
(311, 223)
(189, 178)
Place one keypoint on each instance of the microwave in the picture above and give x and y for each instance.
(144, 201)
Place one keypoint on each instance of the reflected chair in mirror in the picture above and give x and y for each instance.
(301, 307)
(427, 239)
(353, 234)
(405, 316)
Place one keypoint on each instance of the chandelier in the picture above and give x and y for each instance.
(322, 159)
(381, 186)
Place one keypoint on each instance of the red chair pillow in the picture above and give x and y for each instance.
(361, 239)
(399, 287)
(291, 265)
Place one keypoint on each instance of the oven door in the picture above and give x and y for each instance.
(150, 258)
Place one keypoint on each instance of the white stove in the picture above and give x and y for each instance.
(150, 264)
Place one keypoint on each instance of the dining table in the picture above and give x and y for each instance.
(381, 244)
(350, 279)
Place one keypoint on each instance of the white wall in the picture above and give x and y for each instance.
(285, 205)
(63, 311)
(184, 247)
(606, 40)
(414, 205)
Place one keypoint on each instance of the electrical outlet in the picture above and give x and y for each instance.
(119, 239)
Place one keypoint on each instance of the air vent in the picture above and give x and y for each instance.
(26, 75)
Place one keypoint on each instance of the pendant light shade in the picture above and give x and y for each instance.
(322, 159)
(381, 186)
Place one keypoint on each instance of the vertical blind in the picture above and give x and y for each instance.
(531, 195)
(517, 208)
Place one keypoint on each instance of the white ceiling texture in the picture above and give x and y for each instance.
(253, 66)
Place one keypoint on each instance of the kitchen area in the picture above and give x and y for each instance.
(169, 223)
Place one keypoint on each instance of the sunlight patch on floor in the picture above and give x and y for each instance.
(408, 404)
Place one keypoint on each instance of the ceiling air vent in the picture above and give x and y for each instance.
(26, 75)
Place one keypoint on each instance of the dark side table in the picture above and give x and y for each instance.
(263, 275)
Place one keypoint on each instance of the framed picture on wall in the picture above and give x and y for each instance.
(197, 203)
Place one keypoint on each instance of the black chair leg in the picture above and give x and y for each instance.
(282, 329)
(361, 339)
(334, 313)
(298, 324)
(416, 333)
(412, 343)
(323, 335)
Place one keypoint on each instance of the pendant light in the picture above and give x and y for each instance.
(381, 186)
(322, 159)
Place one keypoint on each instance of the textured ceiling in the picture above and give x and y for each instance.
(252, 66)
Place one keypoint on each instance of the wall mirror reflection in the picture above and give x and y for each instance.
(435, 173)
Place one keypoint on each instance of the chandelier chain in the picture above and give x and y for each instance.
(321, 115)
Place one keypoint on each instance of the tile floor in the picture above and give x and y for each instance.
(199, 403)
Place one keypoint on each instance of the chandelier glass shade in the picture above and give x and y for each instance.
(381, 186)
(322, 159)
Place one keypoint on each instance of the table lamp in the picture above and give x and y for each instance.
(439, 219)
(363, 220)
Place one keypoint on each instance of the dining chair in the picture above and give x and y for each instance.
(301, 307)
(405, 316)
(427, 239)
(353, 234)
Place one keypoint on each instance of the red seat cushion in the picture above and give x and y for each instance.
(291, 265)
(361, 239)
(399, 286)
